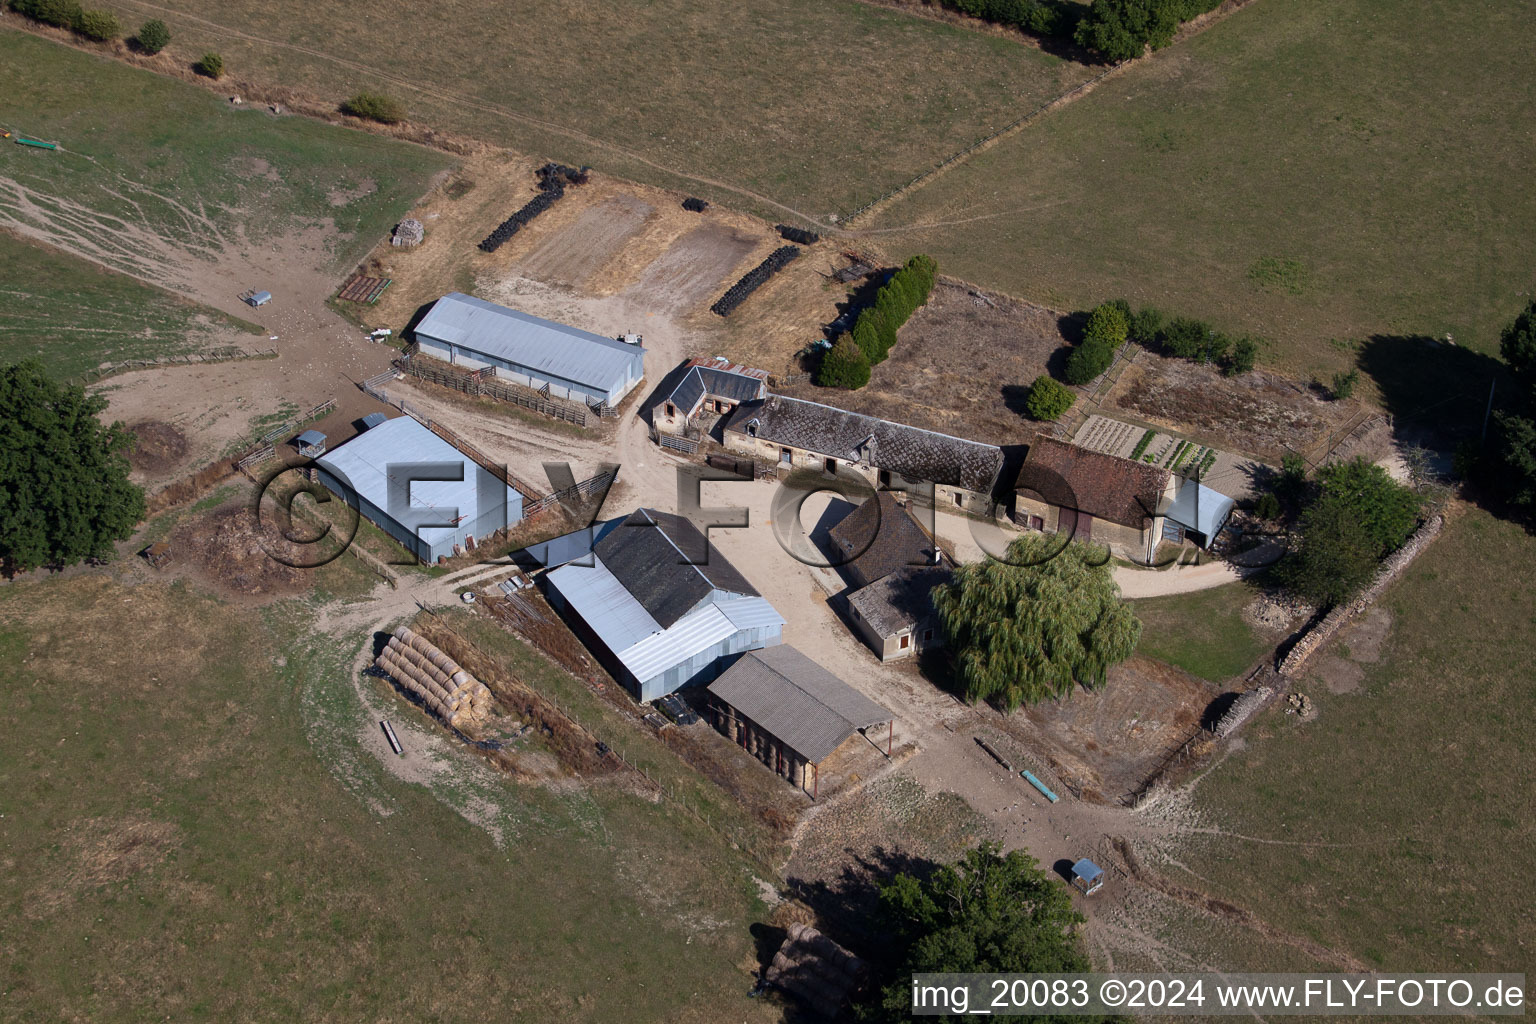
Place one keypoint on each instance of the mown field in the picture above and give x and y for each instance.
(154, 173)
(1203, 632)
(73, 315)
(191, 829)
(816, 104)
(1399, 824)
(1301, 171)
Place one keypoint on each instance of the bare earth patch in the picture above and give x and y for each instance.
(160, 448)
(962, 365)
(1259, 413)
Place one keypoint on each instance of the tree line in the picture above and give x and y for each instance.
(847, 363)
(1112, 30)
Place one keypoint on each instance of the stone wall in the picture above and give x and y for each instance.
(1390, 570)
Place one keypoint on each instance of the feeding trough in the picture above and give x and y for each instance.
(311, 444)
(1087, 877)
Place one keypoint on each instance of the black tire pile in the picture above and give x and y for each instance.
(799, 235)
(695, 205)
(754, 279)
(552, 181)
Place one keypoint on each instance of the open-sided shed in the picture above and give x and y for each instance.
(790, 712)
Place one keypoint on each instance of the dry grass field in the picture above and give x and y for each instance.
(812, 104)
(1300, 171)
(254, 858)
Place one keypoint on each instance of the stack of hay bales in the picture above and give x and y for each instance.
(418, 665)
(817, 970)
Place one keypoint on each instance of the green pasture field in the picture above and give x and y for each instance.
(1398, 825)
(73, 315)
(192, 829)
(1203, 632)
(816, 104)
(147, 162)
(1301, 171)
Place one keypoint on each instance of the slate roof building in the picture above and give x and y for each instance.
(422, 491)
(895, 614)
(791, 713)
(881, 537)
(659, 605)
(1096, 497)
(563, 361)
(709, 387)
(796, 433)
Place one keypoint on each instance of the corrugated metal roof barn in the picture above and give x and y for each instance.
(659, 604)
(393, 475)
(529, 350)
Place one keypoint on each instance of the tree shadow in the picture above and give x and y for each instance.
(1437, 393)
(848, 906)
(1016, 398)
(1072, 326)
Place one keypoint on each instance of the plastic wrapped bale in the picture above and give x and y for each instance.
(797, 235)
(693, 204)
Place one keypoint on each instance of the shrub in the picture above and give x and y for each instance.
(375, 106)
(1087, 362)
(1267, 507)
(1241, 360)
(101, 26)
(1185, 338)
(1107, 325)
(844, 366)
(210, 65)
(60, 13)
(1344, 384)
(1145, 326)
(1217, 348)
(153, 36)
(1048, 400)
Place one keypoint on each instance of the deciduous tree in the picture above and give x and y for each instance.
(988, 913)
(64, 490)
(1036, 625)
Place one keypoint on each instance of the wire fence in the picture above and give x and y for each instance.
(980, 144)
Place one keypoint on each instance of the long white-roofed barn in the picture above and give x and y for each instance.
(563, 361)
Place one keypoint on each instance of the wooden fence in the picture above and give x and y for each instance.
(480, 384)
(218, 355)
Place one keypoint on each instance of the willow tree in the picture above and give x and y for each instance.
(1032, 626)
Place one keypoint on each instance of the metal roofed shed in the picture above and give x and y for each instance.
(257, 299)
(656, 603)
(1200, 510)
(418, 488)
(527, 350)
(789, 711)
(373, 419)
(1087, 877)
(311, 444)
